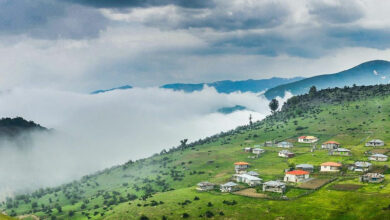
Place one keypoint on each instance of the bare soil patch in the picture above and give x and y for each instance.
(379, 151)
(346, 187)
(314, 183)
(250, 192)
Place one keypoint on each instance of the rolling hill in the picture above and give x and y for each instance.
(368, 73)
(228, 86)
(163, 185)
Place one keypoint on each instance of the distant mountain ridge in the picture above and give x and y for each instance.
(368, 73)
(228, 86)
(112, 89)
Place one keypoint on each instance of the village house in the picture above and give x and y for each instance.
(248, 179)
(286, 154)
(229, 187)
(330, 145)
(248, 149)
(296, 176)
(361, 166)
(307, 139)
(375, 143)
(253, 173)
(205, 186)
(372, 178)
(268, 144)
(274, 186)
(305, 167)
(330, 167)
(241, 167)
(285, 144)
(378, 157)
(258, 151)
(340, 152)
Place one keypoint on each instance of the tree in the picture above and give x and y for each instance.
(274, 105)
(312, 90)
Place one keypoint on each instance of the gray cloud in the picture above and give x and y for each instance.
(49, 19)
(144, 3)
(337, 12)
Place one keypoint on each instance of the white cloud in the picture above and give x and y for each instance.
(97, 131)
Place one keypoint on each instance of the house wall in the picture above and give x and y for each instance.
(329, 168)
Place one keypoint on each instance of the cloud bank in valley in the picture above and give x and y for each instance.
(93, 132)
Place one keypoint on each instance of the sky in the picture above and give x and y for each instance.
(85, 45)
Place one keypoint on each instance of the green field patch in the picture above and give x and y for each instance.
(346, 187)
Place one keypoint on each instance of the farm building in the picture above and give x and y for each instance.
(330, 167)
(229, 187)
(248, 149)
(286, 154)
(205, 186)
(253, 173)
(305, 167)
(372, 178)
(258, 151)
(375, 143)
(274, 186)
(241, 167)
(378, 157)
(330, 145)
(248, 179)
(307, 139)
(268, 144)
(340, 152)
(361, 166)
(296, 176)
(285, 144)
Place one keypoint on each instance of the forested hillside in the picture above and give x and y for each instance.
(163, 186)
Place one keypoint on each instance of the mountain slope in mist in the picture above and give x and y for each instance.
(11, 127)
(112, 89)
(369, 73)
(228, 86)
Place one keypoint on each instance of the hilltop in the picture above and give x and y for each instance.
(369, 73)
(163, 186)
(12, 127)
(228, 86)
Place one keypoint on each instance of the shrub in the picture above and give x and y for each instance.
(185, 215)
(209, 214)
(143, 217)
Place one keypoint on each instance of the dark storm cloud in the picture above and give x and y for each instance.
(144, 3)
(49, 19)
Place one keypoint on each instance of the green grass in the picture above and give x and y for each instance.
(171, 177)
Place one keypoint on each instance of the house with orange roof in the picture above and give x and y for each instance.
(330, 167)
(241, 167)
(296, 176)
(307, 139)
(330, 145)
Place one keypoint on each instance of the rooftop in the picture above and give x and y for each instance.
(304, 165)
(332, 142)
(332, 164)
(248, 177)
(241, 163)
(297, 172)
(229, 184)
(379, 155)
(274, 183)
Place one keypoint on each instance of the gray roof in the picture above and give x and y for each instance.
(274, 183)
(285, 152)
(284, 142)
(304, 166)
(253, 173)
(377, 141)
(362, 164)
(374, 175)
(229, 184)
(342, 150)
(379, 155)
(205, 184)
(249, 177)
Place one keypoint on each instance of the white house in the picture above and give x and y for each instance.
(307, 139)
(378, 157)
(361, 166)
(229, 187)
(330, 145)
(305, 167)
(241, 167)
(285, 144)
(205, 186)
(330, 167)
(296, 176)
(248, 179)
(372, 178)
(375, 143)
(340, 152)
(274, 186)
(248, 149)
(258, 151)
(286, 154)
(268, 144)
(253, 173)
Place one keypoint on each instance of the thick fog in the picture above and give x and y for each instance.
(93, 132)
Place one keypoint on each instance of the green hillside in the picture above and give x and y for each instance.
(163, 186)
(369, 73)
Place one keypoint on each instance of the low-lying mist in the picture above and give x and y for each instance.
(93, 132)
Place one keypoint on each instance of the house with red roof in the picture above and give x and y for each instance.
(241, 167)
(330, 145)
(330, 167)
(296, 176)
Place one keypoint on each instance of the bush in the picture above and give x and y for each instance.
(185, 215)
(143, 217)
(209, 204)
(196, 198)
(209, 214)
